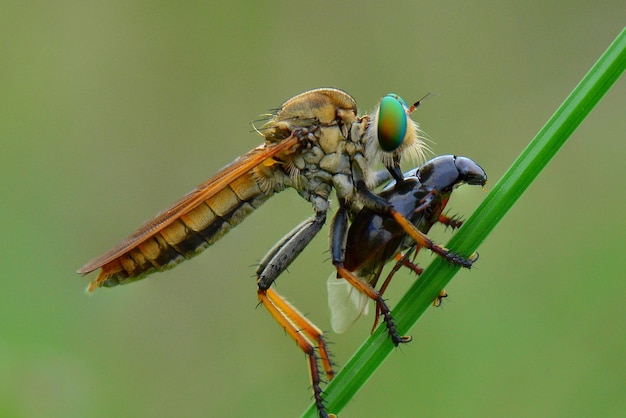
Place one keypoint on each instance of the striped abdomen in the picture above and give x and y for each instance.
(187, 235)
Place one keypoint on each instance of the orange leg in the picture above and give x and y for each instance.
(443, 294)
(308, 337)
(381, 306)
(450, 221)
(423, 241)
(403, 260)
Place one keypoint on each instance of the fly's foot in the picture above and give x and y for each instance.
(454, 258)
(395, 336)
(465, 262)
(461, 261)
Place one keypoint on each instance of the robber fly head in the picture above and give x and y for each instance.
(392, 133)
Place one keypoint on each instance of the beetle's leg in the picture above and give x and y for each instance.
(338, 234)
(287, 249)
(306, 335)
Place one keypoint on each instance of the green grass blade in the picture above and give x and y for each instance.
(505, 193)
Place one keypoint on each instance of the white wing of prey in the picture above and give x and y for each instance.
(346, 303)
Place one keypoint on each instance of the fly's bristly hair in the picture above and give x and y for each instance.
(413, 147)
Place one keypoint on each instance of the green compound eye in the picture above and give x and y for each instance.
(392, 122)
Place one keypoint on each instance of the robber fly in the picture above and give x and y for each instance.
(314, 143)
(374, 239)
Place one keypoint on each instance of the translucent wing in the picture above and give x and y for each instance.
(346, 303)
(211, 187)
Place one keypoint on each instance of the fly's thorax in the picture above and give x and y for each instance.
(309, 111)
(337, 148)
(325, 105)
(329, 136)
(317, 167)
(343, 160)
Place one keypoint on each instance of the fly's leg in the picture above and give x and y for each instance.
(306, 335)
(450, 221)
(381, 206)
(402, 260)
(410, 265)
(424, 241)
(439, 300)
(287, 249)
(339, 232)
(381, 176)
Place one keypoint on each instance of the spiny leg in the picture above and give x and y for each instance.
(308, 337)
(450, 221)
(303, 332)
(453, 222)
(439, 300)
(424, 241)
(383, 207)
(381, 306)
(287, 249)
(402, 260)
(338, 234)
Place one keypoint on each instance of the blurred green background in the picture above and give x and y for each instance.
(111, 111)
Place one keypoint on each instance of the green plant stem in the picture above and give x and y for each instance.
(513, 183)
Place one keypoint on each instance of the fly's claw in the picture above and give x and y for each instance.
(456, 259)
(452, 258)
(404, 339)
(396, 338)
(462, 261)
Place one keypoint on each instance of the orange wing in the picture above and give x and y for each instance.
(192, 199)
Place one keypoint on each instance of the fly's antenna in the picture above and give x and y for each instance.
(418, 103)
